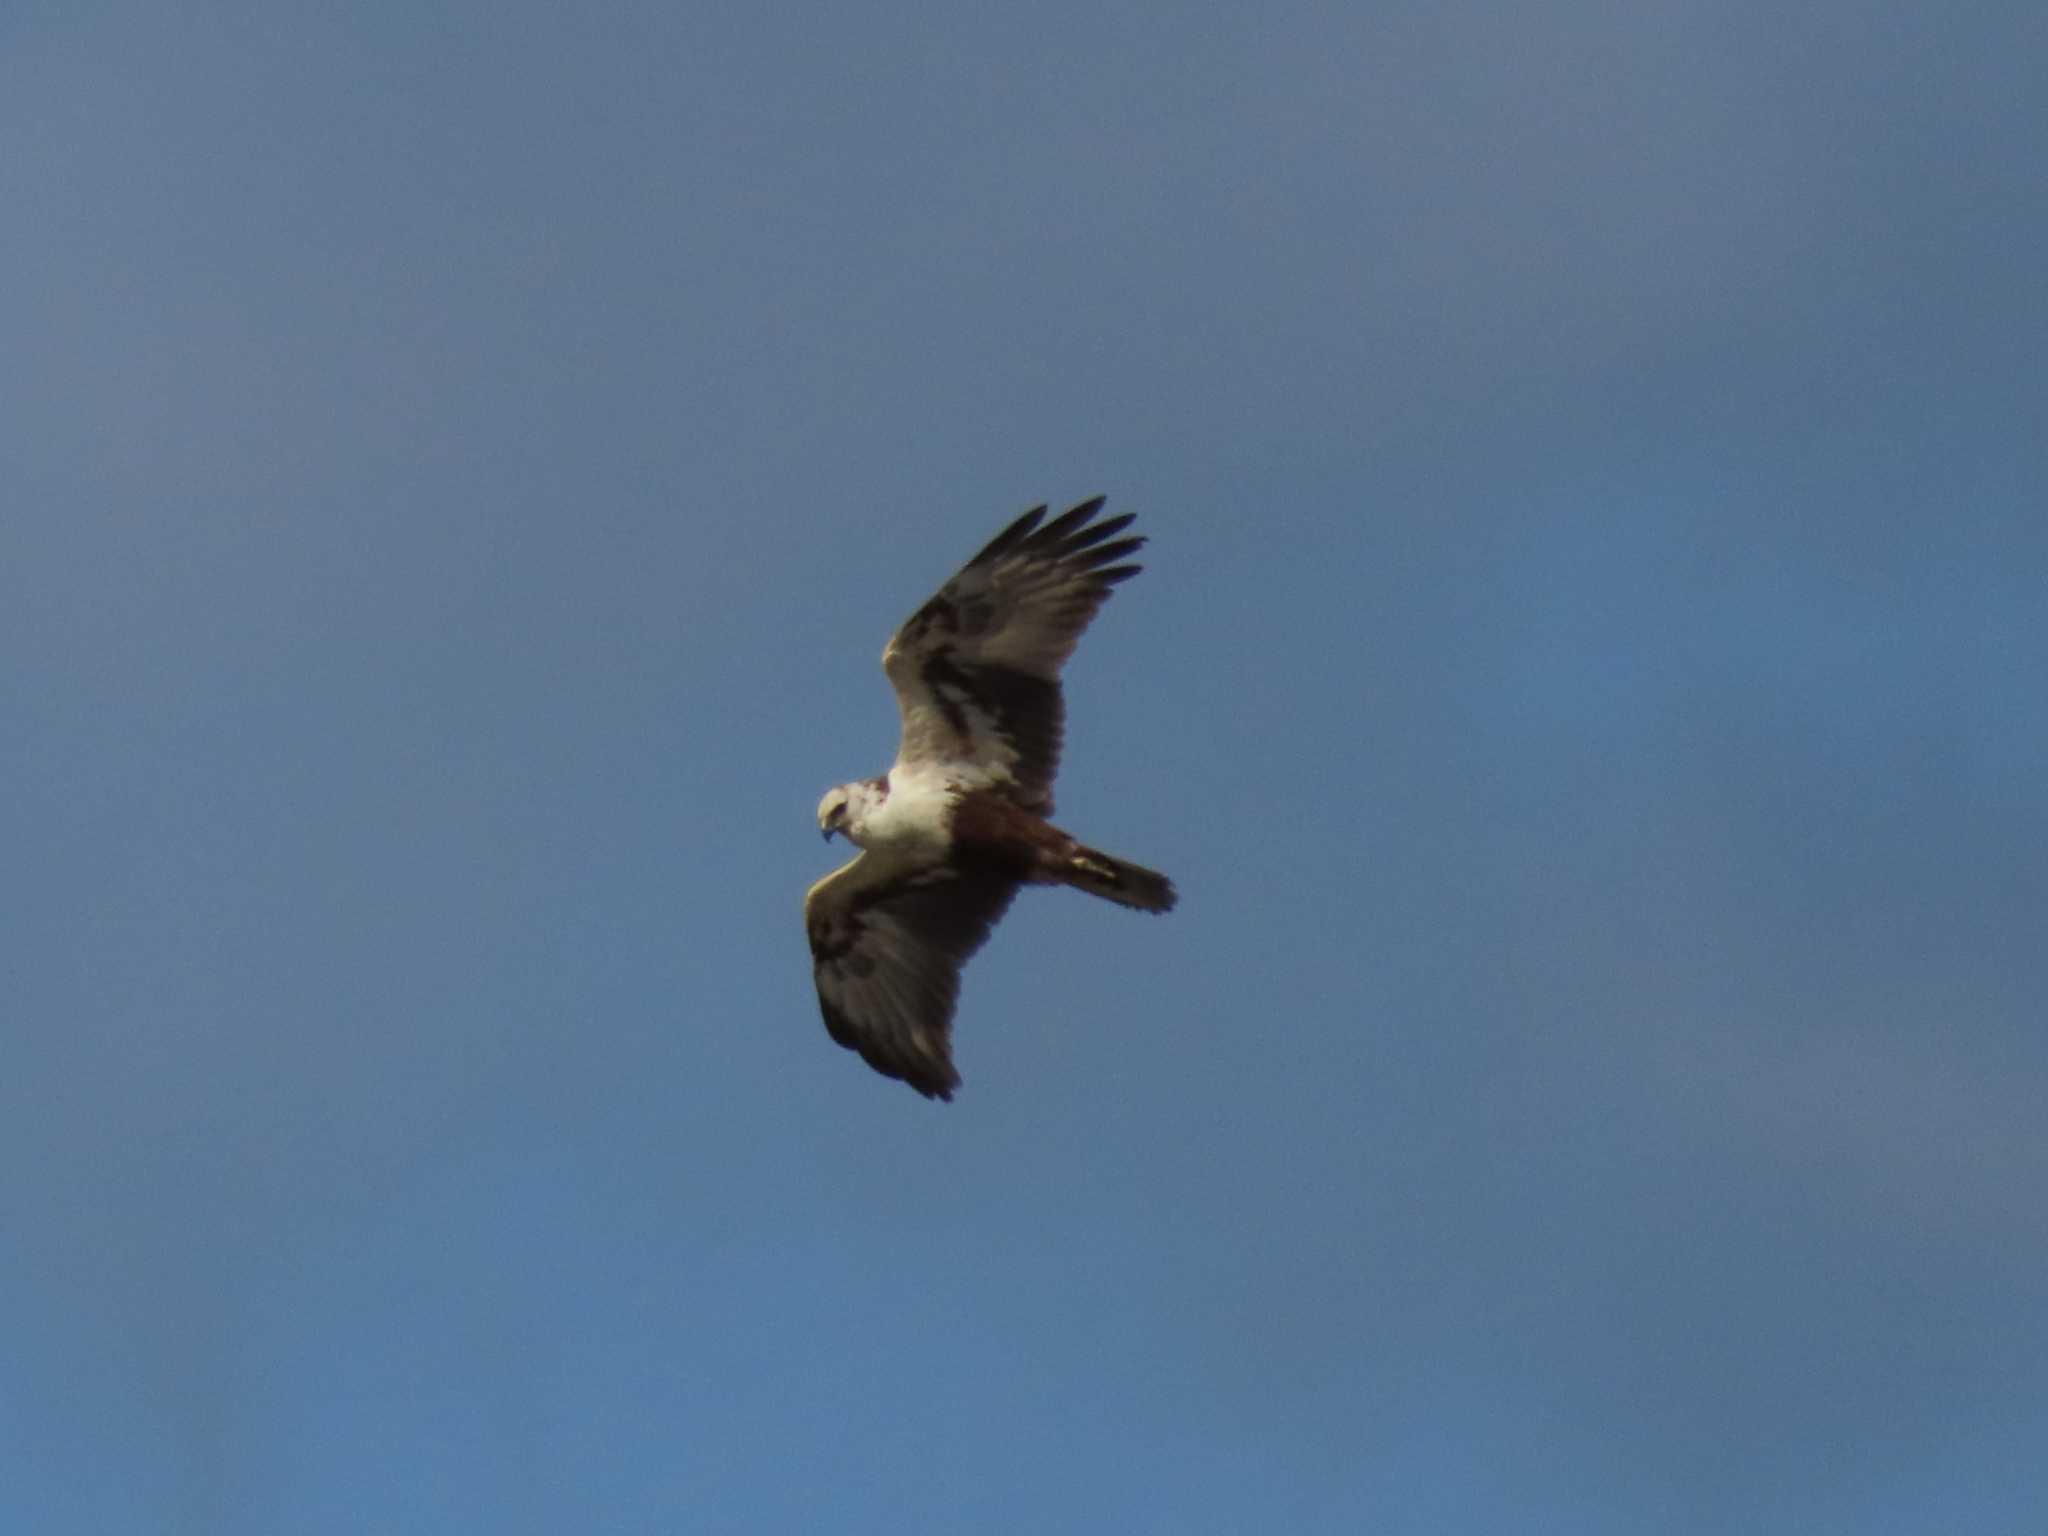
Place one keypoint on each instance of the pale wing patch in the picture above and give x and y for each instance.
(887, 944)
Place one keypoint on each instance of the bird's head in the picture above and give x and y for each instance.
(834, 809)
(848, 807)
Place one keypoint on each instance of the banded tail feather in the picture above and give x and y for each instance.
(1118, 880)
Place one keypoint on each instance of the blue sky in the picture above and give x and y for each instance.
(459, 466)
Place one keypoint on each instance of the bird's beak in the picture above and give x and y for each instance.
(828, 833)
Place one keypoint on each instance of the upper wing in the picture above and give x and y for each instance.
(977, 668)
(887, 944)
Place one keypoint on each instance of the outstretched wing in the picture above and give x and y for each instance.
(887, 944)
(977, 668)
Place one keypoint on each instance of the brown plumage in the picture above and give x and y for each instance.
(958, 823)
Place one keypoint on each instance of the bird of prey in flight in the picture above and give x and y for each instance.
(960, 820)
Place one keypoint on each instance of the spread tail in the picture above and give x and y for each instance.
(1117, 880)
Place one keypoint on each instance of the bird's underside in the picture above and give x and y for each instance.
(959, 822)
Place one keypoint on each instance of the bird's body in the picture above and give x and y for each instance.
(906, 812)
(960, 821)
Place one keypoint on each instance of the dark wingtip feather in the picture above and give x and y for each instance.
(935, 1080)
(932, 1084)
(1114, 552)
(1082, 511)
(1060, 530)
(1010, 537)
(1070, 538)
(1095, 533)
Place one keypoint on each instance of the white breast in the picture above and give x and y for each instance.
(911, 820)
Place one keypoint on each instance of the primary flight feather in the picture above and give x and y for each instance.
(959, 822)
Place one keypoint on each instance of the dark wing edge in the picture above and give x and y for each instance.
(886, 952)
(977, 667)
